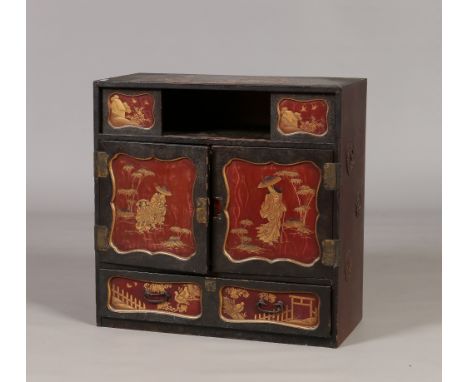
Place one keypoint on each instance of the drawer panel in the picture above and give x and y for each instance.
(298, 310)
(149, 296)
(131, 112)
(274, 307)
(253, 306)
(303, 117)
(126, 295)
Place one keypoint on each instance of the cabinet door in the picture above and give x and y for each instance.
(271, 211)
(151, 205)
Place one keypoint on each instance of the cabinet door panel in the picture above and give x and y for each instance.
(275, 211)
(150, 202)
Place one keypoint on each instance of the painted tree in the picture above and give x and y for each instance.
(246, 223)
(287, 173)
(302, 211)
(180, 232)
(128, 168)
(175, 240)
(129, 194)
(295, 182)
(185, 232)
(136, 179)
(307, 195)
(293, 179)
(146, 172)
(241, 233)
(139, 175)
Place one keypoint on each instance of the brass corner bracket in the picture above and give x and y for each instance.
(331, 176)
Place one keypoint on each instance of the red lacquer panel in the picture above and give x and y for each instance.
(152, 205)
(272, 211)
(130, 110)
(298, 116)
(301, 310)
(178, 299)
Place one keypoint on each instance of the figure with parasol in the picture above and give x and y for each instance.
(272, 209)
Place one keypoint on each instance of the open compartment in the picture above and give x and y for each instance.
(219, 113)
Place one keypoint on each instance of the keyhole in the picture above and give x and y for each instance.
(217, 207)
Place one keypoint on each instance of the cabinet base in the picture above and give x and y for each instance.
(217, 332)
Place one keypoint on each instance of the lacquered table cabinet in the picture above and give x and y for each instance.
(230, 206)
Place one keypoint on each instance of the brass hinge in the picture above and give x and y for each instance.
(331, 176)
(210, 284)
(101, 160)
(102, 237)
(202, 210)
(330, 252)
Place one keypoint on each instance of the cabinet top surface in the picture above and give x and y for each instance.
(164, 80)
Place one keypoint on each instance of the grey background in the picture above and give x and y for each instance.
(395, 44)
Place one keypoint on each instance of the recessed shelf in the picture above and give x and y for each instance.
(208, 113)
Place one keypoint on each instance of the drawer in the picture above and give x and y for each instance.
(130, 112)
(274, 307)
(150, 297)
(303, 118)
(255, 306)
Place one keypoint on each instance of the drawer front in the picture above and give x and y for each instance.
(303, 118)
(274, 307)
(150, 297)
(130, 112)
(273, 211)
(256, 306)
(152, 200)
(126, 295)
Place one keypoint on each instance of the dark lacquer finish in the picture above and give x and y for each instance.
(230, 206)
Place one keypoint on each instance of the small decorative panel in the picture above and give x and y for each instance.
(272, 212)
(299, 310)
(126, 110)
(302, 117)
(135, 296)
(152, 205)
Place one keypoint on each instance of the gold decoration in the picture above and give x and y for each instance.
(122, 300)
(237, 292)
(268, 297)
(152, 214)
(244, 239)
(175, 240)
(231, 310)
(121, 114)
(272, 209)
(305, 196)
(290, 122)
(287, 317)
(156, 288)
(182, 296)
